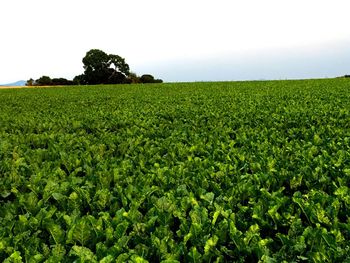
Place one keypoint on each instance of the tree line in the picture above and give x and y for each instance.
(99, 68)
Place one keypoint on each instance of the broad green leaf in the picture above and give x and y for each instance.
(210, 243)
(83, 254)
(82, 232)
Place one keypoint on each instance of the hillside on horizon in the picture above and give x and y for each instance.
(17, 83)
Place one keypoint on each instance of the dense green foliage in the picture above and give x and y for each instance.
(202, 172)
(99, 68)
(47, 81)
(103, 68)
(147, 78)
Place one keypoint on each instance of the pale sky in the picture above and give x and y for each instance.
(182, 40)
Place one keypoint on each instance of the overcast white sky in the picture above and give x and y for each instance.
(182, 40)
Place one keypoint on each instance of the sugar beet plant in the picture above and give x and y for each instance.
(202, 172)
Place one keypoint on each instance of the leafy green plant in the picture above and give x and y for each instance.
(197, 172)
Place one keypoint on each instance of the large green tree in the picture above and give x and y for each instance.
(101, 68)
(44, 81)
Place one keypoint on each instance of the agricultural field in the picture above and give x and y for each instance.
(186, 172)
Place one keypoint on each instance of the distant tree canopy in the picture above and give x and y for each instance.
(47, 81)
(99, 68)
(147, 78)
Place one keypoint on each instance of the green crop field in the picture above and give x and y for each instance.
(186, 172)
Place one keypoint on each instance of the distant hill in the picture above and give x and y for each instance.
(17, 83)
